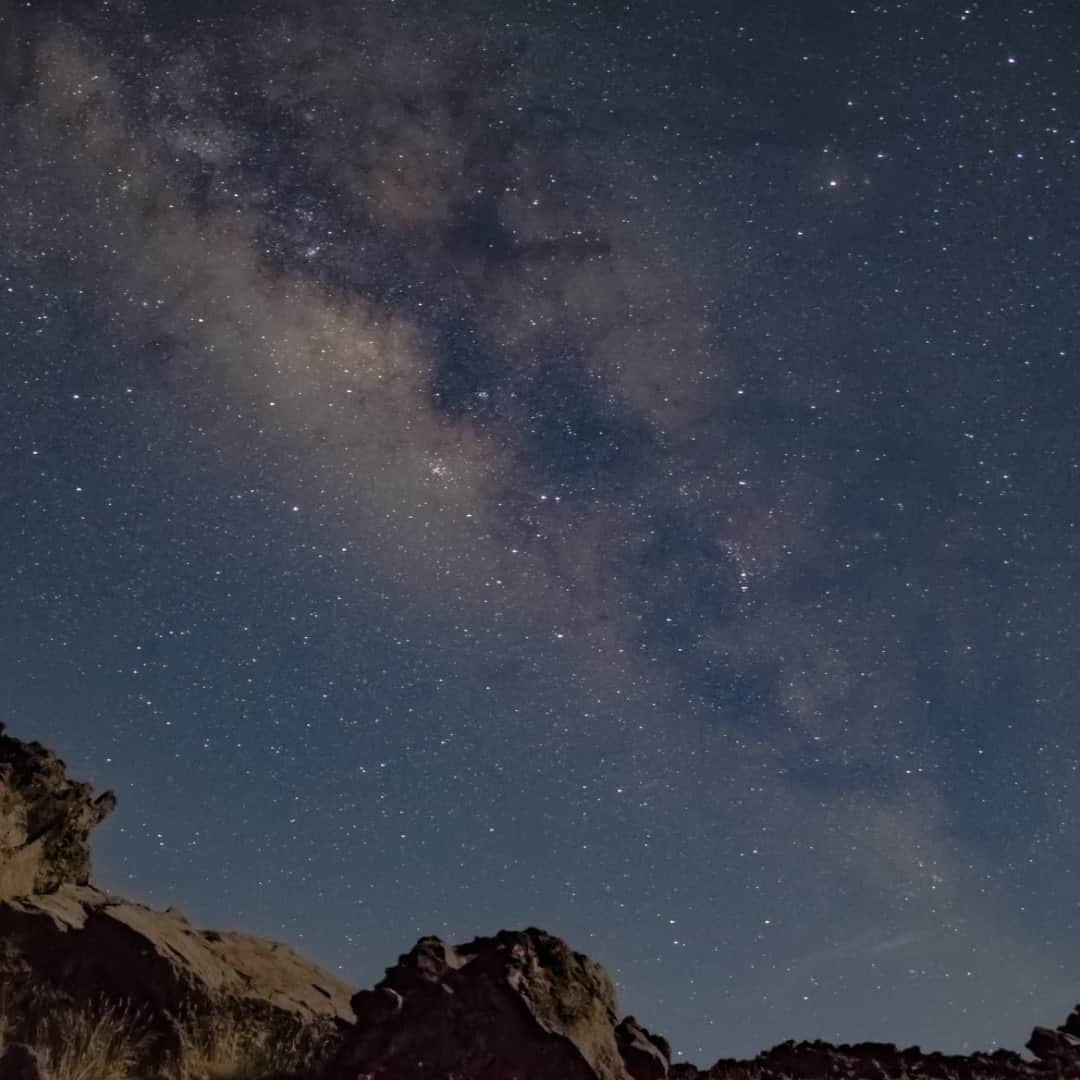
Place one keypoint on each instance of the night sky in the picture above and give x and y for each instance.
(610, 467)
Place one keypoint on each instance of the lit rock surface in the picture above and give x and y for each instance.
(87, 943)
(62, 938)
(45, 820)
(646, 1055)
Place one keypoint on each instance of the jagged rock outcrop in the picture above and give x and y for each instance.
(45, 820)
(1072, 1024)
(646, 1056)
(520, 1004)
(62, 939)
(524, 1006)
(1057, 1047)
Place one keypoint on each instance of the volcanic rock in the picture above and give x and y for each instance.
(521, 1004)
(45, 820)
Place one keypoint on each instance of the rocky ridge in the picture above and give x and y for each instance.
(521, 1005)
(1056, 1057)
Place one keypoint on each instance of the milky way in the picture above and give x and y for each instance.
(606, 468)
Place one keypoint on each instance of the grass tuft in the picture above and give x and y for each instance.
(227, 1048)
(103, 1041)
(109, 1041)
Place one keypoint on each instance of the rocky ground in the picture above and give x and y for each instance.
(95, 987)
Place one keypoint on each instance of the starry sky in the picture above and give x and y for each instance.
(606, 466)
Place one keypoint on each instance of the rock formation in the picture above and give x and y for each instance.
(524, 1006)
(62, 939)
(45, 821)
(520, 1004)
(645, 1055)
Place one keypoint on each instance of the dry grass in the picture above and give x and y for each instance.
(225, 1048)
(102, 1042)
(106, 1041)
(219, 1048)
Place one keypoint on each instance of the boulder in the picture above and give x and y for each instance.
(1072, 1024)
(45, 820)
(1053, 1045)
(521, 1004)
(83, 944)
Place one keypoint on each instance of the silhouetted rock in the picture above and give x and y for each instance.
(520, 1004)
(818, 1060)
(1072, 1024)
(20, 1062)
(1054, 1045)
(525, 1006)
(45, 820)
